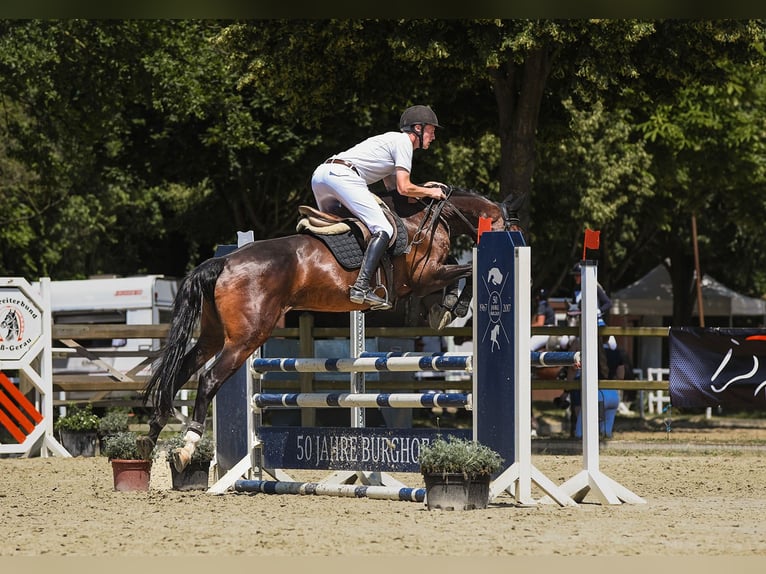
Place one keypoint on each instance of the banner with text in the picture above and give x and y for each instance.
(343, 448)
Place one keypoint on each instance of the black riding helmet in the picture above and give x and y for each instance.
(417, 115)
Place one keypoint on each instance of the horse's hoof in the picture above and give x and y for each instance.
(180, 458)
(145, 447)
(439, 317)
(450, 301)
(462, 309)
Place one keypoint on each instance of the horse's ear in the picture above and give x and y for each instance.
(511, 217)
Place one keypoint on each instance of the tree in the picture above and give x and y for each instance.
(156, 140)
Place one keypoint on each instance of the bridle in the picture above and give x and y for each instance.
(511, 221)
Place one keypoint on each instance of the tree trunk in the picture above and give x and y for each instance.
(682, 278)
(519, 92)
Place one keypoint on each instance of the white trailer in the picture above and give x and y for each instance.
(139, 300)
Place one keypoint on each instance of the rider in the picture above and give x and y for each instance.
(342, 180)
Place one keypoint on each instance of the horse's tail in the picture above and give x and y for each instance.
(187, 307)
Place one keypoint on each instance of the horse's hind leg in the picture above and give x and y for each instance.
(192, 362)
(225, 365)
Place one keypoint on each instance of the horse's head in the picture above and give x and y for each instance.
(465, 207)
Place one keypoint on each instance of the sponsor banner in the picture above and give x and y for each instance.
(718, 366)
(341, 448)
(495, 349)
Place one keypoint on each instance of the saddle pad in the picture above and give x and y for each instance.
(345, 247)
(348, 247)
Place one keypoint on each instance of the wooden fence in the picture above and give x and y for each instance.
(98, 388)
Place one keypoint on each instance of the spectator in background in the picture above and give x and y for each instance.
(604, 301)
(544, 315)
(620, 369)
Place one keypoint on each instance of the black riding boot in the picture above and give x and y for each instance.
(361, 291)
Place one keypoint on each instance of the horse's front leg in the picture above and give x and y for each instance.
(436, 278)
(454, 302)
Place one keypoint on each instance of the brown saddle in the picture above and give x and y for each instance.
(322, 223)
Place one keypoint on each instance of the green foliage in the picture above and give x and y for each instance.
(457, 455)
(137, 146)
(78, 419)
(203, 452)
(122, 446)
(114, 421)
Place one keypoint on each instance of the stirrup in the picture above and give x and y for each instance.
(362, 296)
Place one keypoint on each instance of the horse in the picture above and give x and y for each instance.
(239, 298)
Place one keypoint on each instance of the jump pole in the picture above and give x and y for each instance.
(501, 335)
(590, 478)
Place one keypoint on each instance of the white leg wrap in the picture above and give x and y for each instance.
(192, 437)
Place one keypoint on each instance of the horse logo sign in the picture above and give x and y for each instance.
(496, 305)
(20, 324)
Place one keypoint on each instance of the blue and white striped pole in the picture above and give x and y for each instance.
(364, 400)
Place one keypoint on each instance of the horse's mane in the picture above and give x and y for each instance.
(405, 208)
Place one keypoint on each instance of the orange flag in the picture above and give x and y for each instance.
(591, 242)
(485, 224)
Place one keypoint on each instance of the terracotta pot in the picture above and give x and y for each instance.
(194, 476)
(453, 491)
(131, 474)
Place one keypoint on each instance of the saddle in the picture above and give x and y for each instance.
(346, 236)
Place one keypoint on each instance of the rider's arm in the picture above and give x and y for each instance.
(406, 188)
(604, 301)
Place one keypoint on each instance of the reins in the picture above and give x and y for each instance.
(434, 212)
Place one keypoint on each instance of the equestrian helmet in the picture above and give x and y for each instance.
(576, 269)
(417, 115)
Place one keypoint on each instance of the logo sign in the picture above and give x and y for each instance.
(495, 350)
(21, 324)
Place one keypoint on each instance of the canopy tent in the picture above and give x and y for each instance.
(653, 295)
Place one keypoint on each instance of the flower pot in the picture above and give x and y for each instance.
(454, 491)
(79, 443)
(131, 474)
(193, 477)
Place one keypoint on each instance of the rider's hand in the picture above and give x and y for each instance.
(440, 186)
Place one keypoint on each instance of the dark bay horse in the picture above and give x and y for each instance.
(239, 298)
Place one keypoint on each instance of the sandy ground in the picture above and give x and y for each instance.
(704, 501)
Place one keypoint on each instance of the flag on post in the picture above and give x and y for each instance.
(590, 247)
(485, 224)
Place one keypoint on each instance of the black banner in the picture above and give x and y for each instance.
(344, 448)
(718, 366)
